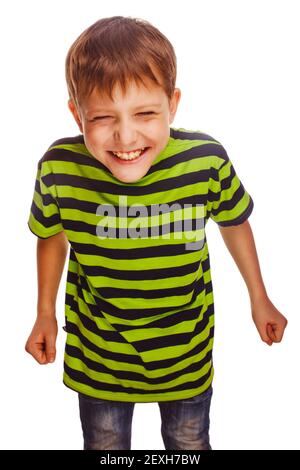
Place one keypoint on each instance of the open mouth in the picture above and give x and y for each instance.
(127, 158)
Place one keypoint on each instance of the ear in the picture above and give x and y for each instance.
(74, 111)
(174, 104)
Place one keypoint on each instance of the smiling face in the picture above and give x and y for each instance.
(138, 119)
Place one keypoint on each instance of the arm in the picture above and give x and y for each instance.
(269, 322)
(51, 256)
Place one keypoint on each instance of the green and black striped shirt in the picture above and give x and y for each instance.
(139, 305)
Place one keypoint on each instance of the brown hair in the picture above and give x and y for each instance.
(115, 50)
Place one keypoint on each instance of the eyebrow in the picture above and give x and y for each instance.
(153, 105)
(150, 105)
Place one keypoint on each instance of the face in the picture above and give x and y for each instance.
(138, 120)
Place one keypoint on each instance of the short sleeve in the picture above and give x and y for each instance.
(228, 201)
(44, 219)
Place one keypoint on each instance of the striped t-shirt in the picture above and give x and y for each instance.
(139, 306)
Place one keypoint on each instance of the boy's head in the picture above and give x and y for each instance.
(121, 75)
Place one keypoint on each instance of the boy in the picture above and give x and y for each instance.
(131, 196)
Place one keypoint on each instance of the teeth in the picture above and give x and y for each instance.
(129, 155)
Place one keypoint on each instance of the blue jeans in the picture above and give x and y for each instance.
(106, 424)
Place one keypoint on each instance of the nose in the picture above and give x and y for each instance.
(125, 134)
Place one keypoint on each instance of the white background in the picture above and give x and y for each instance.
(238, 69)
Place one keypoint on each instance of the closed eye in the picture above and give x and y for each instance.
(146, 113)
(99, 117)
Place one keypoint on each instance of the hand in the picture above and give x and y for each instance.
(42, 339)
(269, 322)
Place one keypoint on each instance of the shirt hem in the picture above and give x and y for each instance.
(136, 398)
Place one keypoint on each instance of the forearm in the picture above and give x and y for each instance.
(240, 243)
(51, 256)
